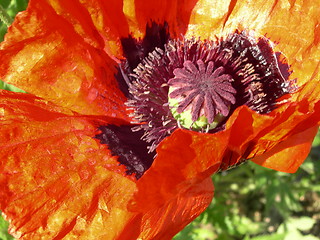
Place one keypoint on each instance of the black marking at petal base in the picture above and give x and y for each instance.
(135, 51)
(157, 35)
(128, 146)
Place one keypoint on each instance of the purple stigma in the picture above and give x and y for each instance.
(205, 90)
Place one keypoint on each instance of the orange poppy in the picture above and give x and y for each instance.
(62, 142)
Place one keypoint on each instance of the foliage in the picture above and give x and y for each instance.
(255, 203)
(12, 7)
(4, 235)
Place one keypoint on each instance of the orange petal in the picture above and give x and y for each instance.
(79, 188)
(45, 55)
(30, 107)
(171, 217)
(184, 158)
(295, 27)
(175, 12)
(180, 178)
(99, 23)
(177, 213)
(288, 155)
(208, 17)
(211, 18)
(56, 179)
(254, 135)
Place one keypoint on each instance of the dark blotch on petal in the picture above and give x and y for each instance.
(136, 50)
(157, 35)
(128, 146)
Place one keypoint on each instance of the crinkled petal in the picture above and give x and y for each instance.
(166, 220)
(287, 156)
(175, 12)
(208, 18)
(99, 23)
(262, 136)
(31, 108)
(186, 159)
(44, 54)
(58, 181)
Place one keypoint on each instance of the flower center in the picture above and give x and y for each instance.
(200, 97)
(190, 84)
(197, 85)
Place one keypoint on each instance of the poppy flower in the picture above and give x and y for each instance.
(121, 129)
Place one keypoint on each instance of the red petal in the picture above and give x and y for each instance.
(175, 12)
(254, 135)
(184, 158)
(44, 54)
(287, 156)
(171, 216)
(58, 181)
(177, 186)
(99, 23)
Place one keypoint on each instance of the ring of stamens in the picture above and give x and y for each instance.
(209, 79)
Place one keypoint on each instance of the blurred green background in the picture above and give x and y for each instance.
(251, 202)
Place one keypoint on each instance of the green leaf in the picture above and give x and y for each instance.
(186, 233)
(9, 87)
(302, 223)
(11, 9)
(4, 235)
(275, 236)
(316, 141)
(21, 5)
